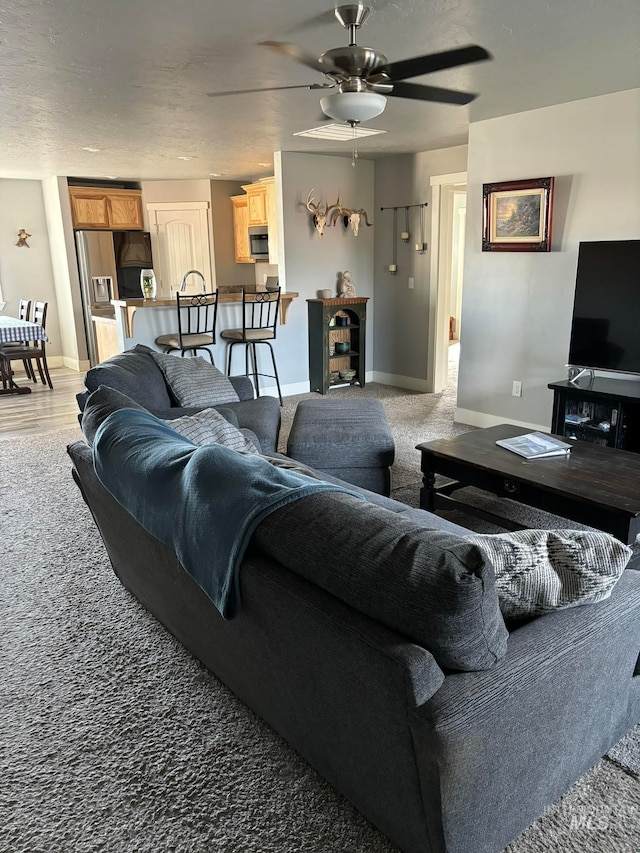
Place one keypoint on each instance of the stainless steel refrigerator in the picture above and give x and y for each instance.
(109, 264)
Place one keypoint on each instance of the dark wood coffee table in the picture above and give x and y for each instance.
(594, 485)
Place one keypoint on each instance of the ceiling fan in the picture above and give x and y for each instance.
(364, 78)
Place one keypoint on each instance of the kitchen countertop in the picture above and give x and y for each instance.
(130, 306)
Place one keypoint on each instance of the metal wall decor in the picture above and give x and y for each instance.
(405, 234)
(393, 266)
(421, 245)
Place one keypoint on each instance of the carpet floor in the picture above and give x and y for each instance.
(116, 739)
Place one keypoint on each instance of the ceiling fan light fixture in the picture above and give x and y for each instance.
(353, 106)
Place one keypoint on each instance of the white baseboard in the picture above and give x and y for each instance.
(411, 383)
(287, 390)
(71, 363)
(301, 387)
(480, 419)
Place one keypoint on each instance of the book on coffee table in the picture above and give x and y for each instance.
(535, 445)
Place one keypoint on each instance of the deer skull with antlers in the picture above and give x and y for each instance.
(320, 216)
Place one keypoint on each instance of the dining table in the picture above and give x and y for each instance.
(13, 330)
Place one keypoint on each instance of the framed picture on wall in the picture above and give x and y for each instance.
(517, 216)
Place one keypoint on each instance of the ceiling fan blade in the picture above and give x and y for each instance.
(430, 93)
(406, 68)
(298, 55)
(270, 89)
(328, 17)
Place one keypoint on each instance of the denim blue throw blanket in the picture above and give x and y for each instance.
(205, 502)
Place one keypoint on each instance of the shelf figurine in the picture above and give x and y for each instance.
(346, 287)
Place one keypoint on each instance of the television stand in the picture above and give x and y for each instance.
(602, 411)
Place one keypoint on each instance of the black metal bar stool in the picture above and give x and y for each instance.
(197, 316)
(259, 322)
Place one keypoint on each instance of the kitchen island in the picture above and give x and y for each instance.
(154, 317)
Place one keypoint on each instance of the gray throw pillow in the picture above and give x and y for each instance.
(195, 382)
(210, 427)
(538, 571)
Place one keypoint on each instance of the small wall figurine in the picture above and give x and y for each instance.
(22, 238)
(346, 287)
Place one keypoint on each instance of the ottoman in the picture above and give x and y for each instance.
(349, 439)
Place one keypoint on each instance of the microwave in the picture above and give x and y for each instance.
(259, 242)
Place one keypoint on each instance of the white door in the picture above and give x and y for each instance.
(180, 242)
(448, 209)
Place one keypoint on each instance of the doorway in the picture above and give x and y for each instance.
(448, 222)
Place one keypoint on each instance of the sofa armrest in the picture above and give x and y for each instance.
(243, 387)
(565, 692)
(81, 399)
(262, 416)
(552, 654)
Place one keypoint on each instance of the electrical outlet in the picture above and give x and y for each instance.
(411, 283)
(516, 391)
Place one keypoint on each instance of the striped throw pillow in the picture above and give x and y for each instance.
(210, 427)
(194, 381)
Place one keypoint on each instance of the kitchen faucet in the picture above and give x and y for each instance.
(183, 283)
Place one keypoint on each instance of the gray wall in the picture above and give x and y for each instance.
(227, 270)
(312, 263)
(402, 315)
(27, 273)
(516, 307)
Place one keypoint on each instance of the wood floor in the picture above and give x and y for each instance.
(44, 409)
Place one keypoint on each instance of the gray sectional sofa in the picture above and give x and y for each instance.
(136, 374)
(370, 637)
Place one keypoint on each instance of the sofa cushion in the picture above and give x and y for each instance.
(194, 381)
(135, 374)
(208, 426)
(433, 586)
(538, 571)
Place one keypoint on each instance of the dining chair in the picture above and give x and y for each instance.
(197, 317)
(24, 313)
(30, 351)
(259, 323)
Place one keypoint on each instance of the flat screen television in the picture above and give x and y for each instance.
(605, 329)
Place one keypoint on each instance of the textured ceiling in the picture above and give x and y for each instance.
(130, 77)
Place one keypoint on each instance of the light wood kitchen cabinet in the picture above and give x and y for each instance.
(256, 204)
(107, 342)
(98, 207)
(256, 207)
(272, 222)
(241, 229)
(88, 208)
(125, 209)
